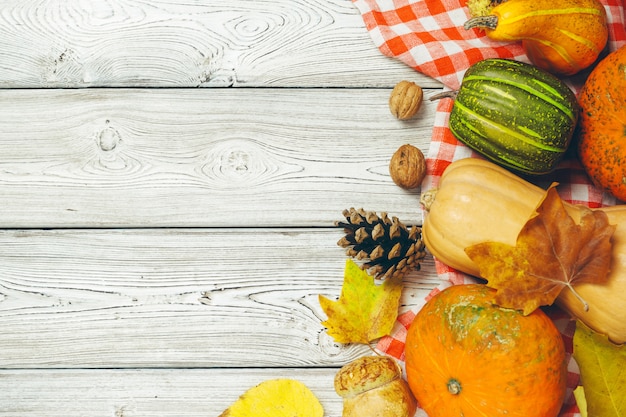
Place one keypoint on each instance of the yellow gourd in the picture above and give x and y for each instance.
(559, 36)
(478, 201)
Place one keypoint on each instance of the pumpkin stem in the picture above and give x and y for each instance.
(454, 386)
(445, 94)
(427, 198)
(483, 22)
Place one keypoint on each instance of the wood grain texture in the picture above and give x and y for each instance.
(157, 298)
(177, 43)
(146, 392)
(201, 157)
(163, 246)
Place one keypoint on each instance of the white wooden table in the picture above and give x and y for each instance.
(170, 172)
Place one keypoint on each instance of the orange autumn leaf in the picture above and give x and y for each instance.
(552, 252)
(365, 311)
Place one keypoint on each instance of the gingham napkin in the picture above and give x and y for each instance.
(428, 35)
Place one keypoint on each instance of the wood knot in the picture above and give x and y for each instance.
(238, 161)
(108, 139)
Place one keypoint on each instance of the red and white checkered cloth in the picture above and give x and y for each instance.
(428, 36)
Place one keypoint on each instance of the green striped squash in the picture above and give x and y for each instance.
(515, 114)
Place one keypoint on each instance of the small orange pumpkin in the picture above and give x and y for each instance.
(602, 126)
(467, 357)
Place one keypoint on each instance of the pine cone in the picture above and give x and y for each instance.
(386, 246)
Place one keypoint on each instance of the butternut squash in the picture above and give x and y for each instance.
(478, 201)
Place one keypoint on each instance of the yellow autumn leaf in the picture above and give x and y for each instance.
(276, 398)
(365, 311)
(602, 367)
(581, 400)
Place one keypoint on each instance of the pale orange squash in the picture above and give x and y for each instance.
(478, 201)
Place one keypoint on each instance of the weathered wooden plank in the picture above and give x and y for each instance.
(174, 298)
(146, 392)
(201, 157)
(176, 43)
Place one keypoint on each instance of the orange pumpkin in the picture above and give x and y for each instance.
(602, 133)
(467, 357)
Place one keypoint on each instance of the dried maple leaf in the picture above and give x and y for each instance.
(551, 252)
(365, 311)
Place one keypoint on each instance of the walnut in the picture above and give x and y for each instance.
(405, 100)
(407, 167)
